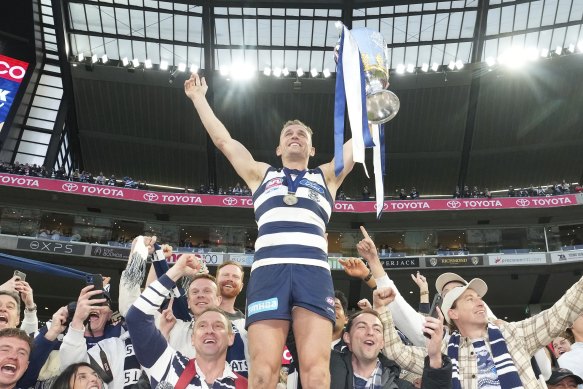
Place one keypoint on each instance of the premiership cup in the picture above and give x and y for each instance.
(381, 104)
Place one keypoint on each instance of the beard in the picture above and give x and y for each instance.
(230, 292)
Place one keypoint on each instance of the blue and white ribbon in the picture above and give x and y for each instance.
(351, 94)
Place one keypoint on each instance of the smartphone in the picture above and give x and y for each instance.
(437, 300)
(97, 281)
(20, 275)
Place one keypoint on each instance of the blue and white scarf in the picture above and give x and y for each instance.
(507, 373)
(373, 382)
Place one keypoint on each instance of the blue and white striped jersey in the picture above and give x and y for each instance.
(292, 233)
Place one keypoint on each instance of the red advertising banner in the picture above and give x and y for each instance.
(12, 69)
(146, 196)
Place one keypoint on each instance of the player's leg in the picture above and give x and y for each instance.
(313, 338)
(266, 341)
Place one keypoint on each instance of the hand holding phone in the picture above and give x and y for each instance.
(20, 275)
(437, 300)
(97, 281)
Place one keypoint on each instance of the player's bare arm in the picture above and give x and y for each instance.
(247, 168)
(332, 181)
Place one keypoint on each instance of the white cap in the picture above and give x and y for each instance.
(445, 279)
(477, 285)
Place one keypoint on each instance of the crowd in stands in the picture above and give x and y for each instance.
(243, 190)
(150, 343)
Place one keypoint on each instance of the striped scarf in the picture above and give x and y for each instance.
(374, 381)
(507, 373)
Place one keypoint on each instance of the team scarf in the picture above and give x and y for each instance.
(374, 382)
(507, 373)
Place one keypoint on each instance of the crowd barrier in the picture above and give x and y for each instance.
(97, 251)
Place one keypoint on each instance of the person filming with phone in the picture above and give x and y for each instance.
(12, 292)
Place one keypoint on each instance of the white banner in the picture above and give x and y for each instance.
(566, 256)
(517, 259)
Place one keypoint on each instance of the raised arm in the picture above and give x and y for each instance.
(332, 181)
(240, 158)
(408, 320)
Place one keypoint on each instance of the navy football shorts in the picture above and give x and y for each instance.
(274, 290)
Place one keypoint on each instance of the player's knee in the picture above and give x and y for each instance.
(261, 375)
(316, 377)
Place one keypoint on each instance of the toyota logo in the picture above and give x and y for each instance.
(523, 202)
(70, 187)
(150, 196)
(454, 204)
(230, 201)
(385, 206)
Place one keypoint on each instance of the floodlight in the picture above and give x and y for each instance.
(94, 58)
(224, 70)
(451, 65)
(544, 53)
(400, 68)
(559, 50)
(410, 68)
(459, 64)
(326, 73)
(285, 72)
(314, 72)
(300, 72)
(571, 48)
(163, 65)
(490, 61)
(181, 67)
(104, 58)
(277, 72)
(193, 68)
(267, 71)
(125, 61)
(148, 64)
(135, 62)
(435, 66)
(580, 46)
(425, 67)
(80, 57)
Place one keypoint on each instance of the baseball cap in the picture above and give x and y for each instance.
(476, 284)
(559, 374)
(445, 279)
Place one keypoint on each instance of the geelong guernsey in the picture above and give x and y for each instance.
(292, 233)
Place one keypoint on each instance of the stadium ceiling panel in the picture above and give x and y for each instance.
(296, 35)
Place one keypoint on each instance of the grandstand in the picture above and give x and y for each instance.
(481, 124)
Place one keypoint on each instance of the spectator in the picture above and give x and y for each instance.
(573, 359)
(363, 364)
(77, 376)
(230, 282)
(402, 194)
(341, 195)
(414, 194)
(565, 187)
(511, 192)
(341, 308)
(246, 191)
(237, 191)
(563, 378)
(211, 337)
(12, 292)
(457, 194)
(365, 193)
(557, 189)
(467, 193)
(112, 181)
(475, 192)
(100, 179)
(487, 194)
(562, 344)
(15, 349)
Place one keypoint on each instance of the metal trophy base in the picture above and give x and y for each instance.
(382, 106)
